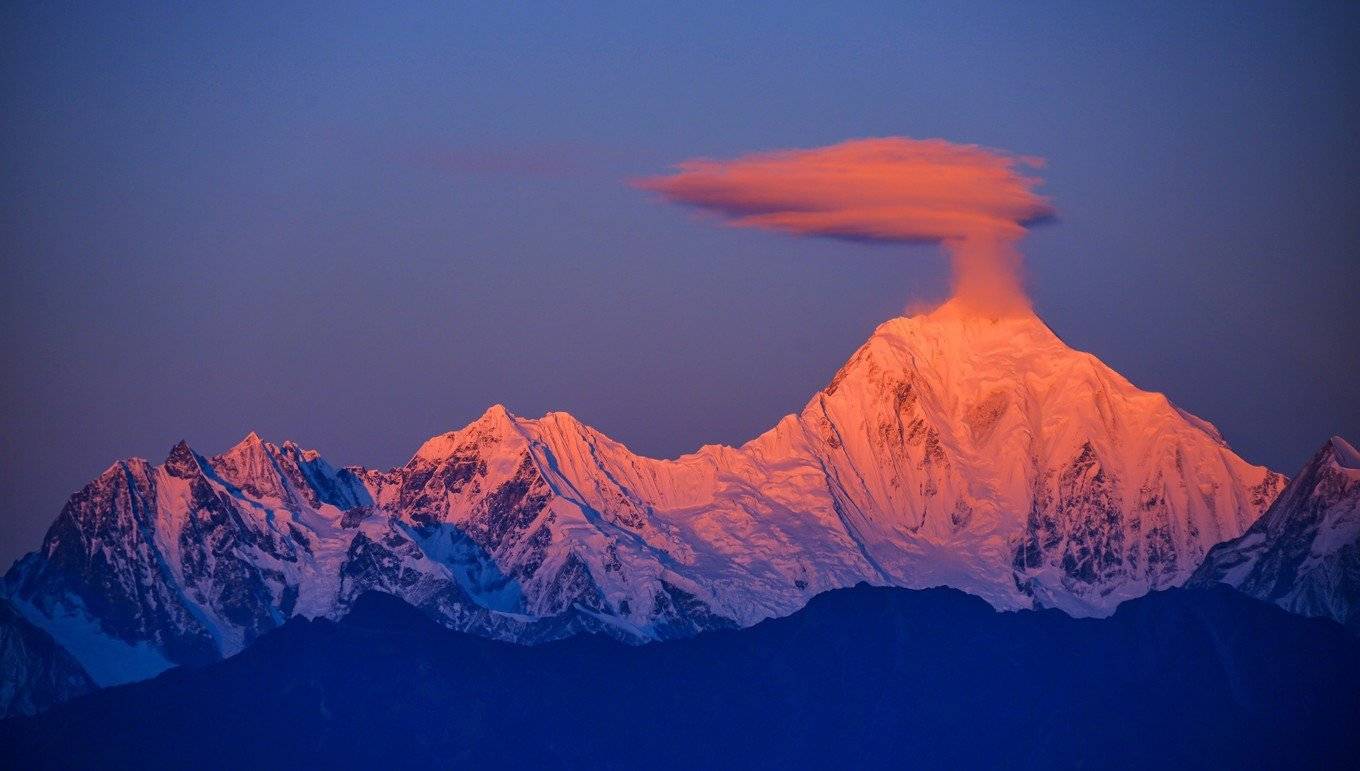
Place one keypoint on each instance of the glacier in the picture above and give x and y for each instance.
(952, 449)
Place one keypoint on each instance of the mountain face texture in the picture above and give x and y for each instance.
(864, 677)
(950, 450)
(37, 671)
(1304, 553)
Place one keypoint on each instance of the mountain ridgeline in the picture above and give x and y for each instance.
(951, 450)
(1304, 553)
(867, 677)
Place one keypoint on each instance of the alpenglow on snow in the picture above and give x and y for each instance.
(952, 449)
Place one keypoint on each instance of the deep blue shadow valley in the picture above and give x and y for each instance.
(863, 677)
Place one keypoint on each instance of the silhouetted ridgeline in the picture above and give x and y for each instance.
(865, 677)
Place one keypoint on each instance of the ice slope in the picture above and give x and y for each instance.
(951, 449)
(1304, 553)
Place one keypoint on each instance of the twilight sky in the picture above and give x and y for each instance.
(358, 227)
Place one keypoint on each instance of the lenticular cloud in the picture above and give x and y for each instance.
(971, 199)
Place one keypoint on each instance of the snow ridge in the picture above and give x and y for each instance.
(952, 449)
(1303, 554)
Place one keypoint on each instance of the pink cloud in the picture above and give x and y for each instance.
(973, 200)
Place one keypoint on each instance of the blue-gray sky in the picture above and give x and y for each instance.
(357, 226)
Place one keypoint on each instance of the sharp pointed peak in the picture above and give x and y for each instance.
(182, 461)
(251, 443)
(133, 464)
(496, 418)
(496, 421)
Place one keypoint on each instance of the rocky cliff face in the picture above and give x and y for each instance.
(952, 449)
(987, 455)
(1304, 553)
(38, 673)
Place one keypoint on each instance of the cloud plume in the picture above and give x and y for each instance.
(974, 201)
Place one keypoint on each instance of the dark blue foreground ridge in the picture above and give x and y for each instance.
(873, 677)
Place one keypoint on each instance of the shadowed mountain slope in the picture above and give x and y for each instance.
(871, 677)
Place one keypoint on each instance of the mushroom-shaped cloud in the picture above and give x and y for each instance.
(973, 200)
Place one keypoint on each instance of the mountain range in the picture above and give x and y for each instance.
(952, 449)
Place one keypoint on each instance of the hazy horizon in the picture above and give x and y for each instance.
(359, 229)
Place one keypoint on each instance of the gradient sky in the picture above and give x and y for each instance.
(360, 226)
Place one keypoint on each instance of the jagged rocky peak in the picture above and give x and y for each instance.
(1304, 552)
(951, 449)
(182, 461)
(251, 465)
(285, 473)
(494, 426)
(952, 429)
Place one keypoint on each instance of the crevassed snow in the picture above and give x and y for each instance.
(950, 449)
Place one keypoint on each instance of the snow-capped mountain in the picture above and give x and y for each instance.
(1304, 553)
(37, 672)
(951, 449)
